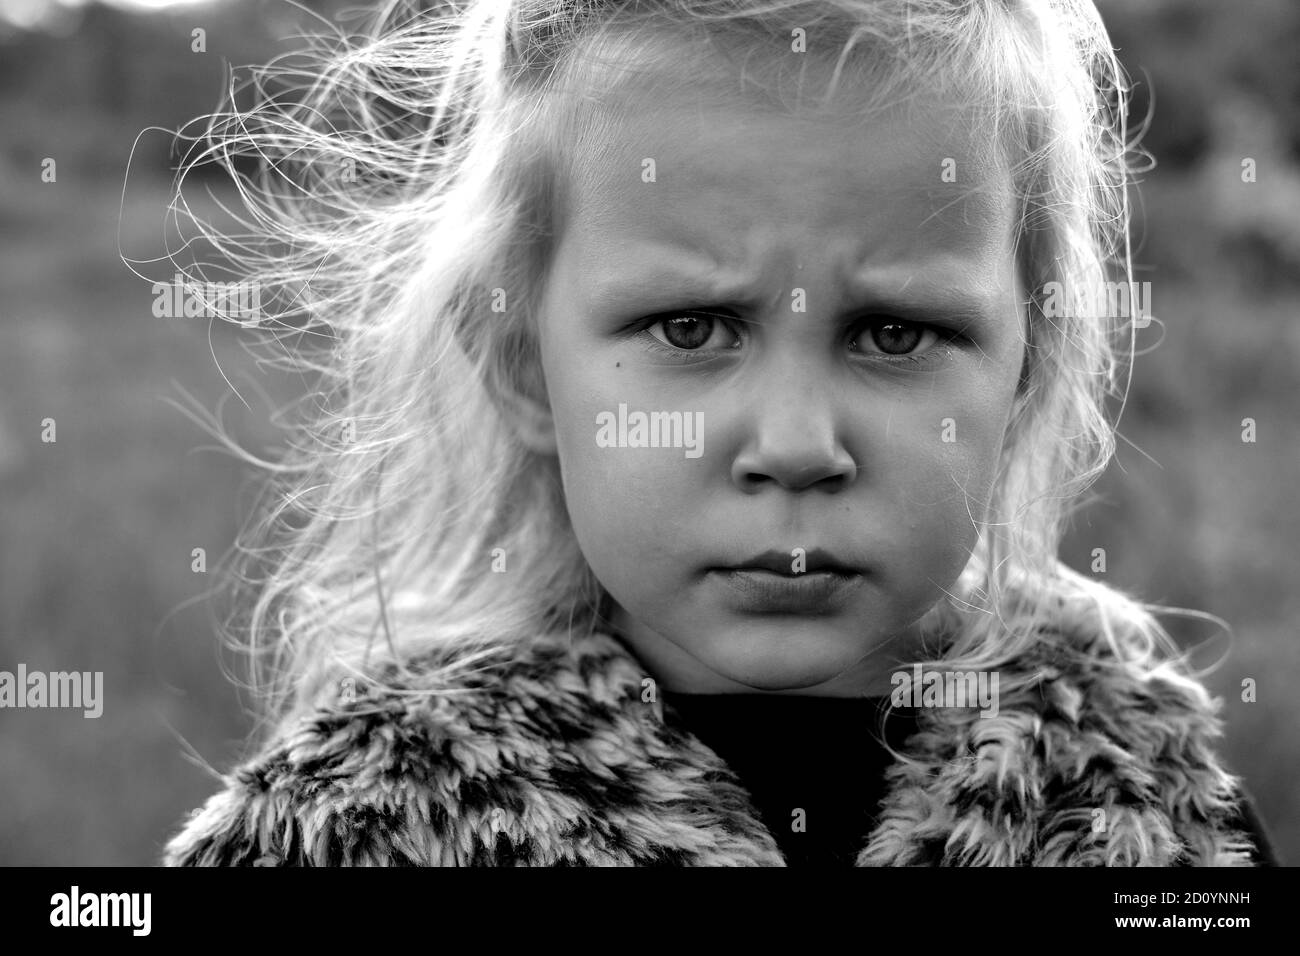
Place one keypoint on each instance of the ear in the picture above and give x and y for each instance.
(516, 385)
(530, 418)
(520, 395)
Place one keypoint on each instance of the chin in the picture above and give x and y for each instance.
(778, 662)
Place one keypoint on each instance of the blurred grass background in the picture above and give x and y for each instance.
(96, 530)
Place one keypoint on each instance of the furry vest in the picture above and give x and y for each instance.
(554, 758)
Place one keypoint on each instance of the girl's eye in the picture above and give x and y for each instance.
(690, 331)
(895, 338)
(893, 341)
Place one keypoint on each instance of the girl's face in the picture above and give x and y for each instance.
(830, 313)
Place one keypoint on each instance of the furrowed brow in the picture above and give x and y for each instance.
(660, 286)
(665, 285)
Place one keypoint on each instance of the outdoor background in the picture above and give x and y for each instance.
(97, 529)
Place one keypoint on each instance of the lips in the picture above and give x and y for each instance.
(784, 563)
(768, 583)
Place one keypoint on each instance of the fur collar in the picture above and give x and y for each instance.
(554, 758)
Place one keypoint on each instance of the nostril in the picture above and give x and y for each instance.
(831, 483)
(794, 469)
(828, 483)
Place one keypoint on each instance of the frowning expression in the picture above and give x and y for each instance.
(844, 323)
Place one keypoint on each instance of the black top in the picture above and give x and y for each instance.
(823, 756)
(819, 755)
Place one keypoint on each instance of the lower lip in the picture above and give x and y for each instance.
(766, 592)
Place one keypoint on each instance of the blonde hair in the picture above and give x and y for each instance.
(410, 176)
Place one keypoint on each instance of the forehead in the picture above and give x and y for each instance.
(684, 158)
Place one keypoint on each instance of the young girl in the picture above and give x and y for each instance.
(705, 382)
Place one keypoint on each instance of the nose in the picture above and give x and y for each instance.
(794, 441)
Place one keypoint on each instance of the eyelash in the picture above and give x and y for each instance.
(931, 356)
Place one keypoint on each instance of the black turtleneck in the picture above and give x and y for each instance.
(819, 755)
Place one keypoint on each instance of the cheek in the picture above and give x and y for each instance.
(626, 505)
(623, 505)
(940, 475)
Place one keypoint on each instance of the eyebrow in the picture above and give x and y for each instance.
(665, 288)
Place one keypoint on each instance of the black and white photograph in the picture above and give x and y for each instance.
(650, 433)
